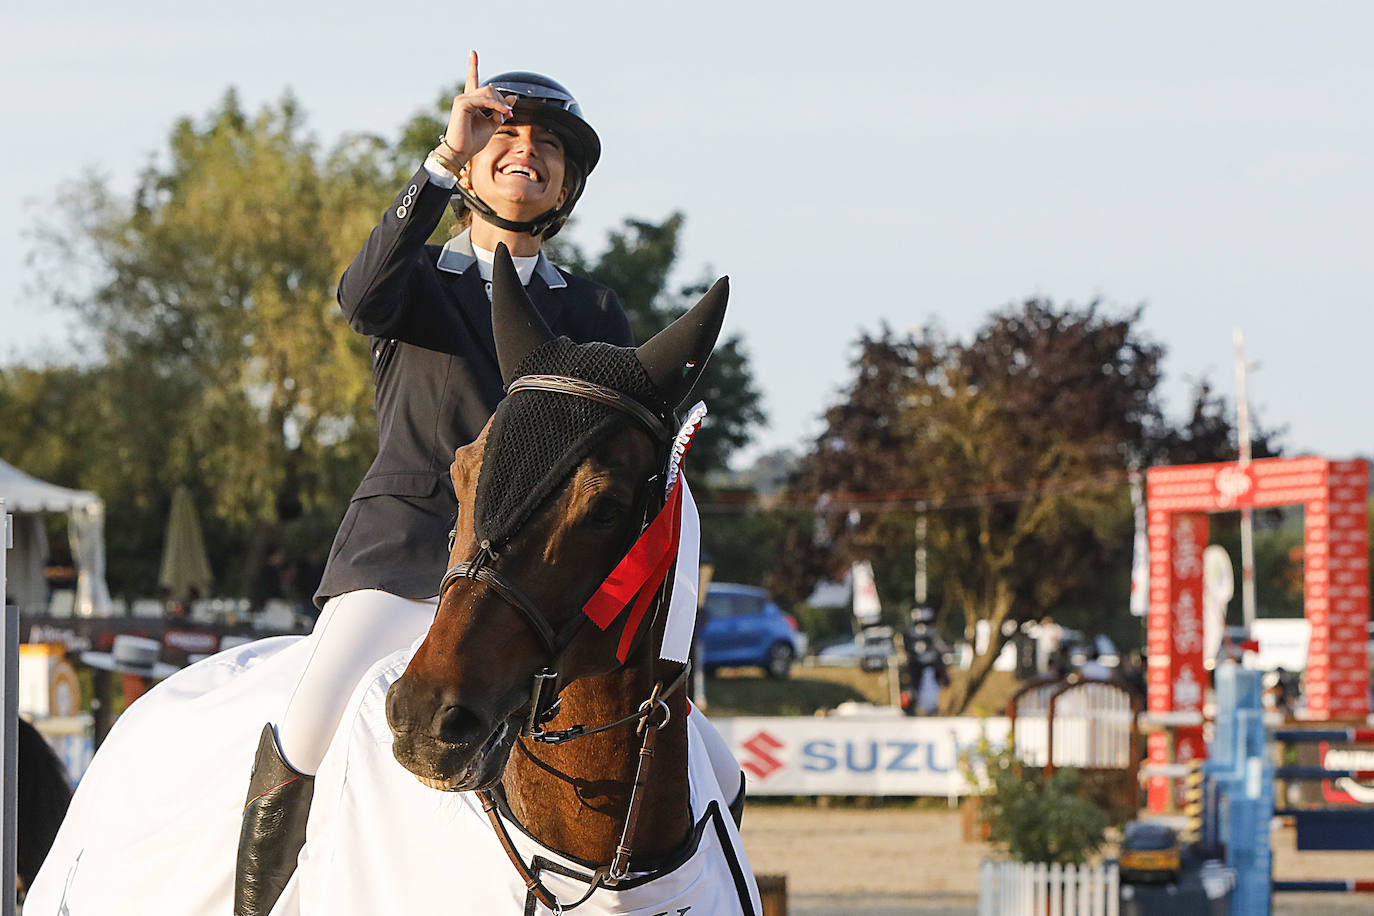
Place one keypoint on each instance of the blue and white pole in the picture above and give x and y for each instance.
(1244, 775)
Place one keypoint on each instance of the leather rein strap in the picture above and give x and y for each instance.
(612, 874)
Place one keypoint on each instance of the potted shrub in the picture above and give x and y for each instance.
(1043, 822)
(1036, 818)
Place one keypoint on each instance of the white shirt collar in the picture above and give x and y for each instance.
(523, 266)
(458, 255)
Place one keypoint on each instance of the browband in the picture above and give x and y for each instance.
(562, 384)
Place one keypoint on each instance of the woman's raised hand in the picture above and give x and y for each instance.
(475, 116)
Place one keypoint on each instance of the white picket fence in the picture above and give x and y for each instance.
(1037, 889)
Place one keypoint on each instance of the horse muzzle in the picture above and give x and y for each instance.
(446, 745)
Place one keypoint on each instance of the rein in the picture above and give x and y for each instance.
(619, 867)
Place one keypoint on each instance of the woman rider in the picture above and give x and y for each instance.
(514, 159)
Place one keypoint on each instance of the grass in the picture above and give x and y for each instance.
(753, 695)
(813, 688)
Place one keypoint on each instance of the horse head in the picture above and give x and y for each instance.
(552, 494)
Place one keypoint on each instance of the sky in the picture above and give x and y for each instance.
(848, 165)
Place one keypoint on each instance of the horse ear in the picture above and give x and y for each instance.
(675, 357)
(515, 322)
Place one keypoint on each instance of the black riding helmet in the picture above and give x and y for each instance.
(540, 100)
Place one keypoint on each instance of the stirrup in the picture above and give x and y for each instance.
(273, 831)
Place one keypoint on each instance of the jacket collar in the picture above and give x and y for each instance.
(457, 256)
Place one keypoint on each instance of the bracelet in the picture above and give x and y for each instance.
(447, 163)
(443, 140)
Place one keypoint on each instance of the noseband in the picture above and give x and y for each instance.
(544, 695)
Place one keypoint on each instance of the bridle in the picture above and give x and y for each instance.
(544, 696)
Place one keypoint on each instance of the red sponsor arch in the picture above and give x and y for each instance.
(1333, 495)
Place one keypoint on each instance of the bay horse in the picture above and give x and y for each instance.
(508, 648)
(502, 704)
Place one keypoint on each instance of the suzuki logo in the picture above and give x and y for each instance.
(761, 763)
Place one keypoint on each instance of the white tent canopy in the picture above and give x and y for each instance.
(28, 499)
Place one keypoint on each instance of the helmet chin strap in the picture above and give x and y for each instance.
(536, 226)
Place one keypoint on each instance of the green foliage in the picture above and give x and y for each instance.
(1032, 817)
(1014, 444)
(742, 545)
(225, 365)
(761, 696)
(824, 625)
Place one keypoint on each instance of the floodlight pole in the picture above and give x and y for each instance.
(9, 708)
(1247, 521)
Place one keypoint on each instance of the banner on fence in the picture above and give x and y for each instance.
(841, 755)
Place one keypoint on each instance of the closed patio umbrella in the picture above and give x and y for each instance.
(185, 567)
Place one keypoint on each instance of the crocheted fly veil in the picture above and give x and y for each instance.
(538, 437)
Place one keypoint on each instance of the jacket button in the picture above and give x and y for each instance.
(401, 211)
(412, 190)
(408, 200)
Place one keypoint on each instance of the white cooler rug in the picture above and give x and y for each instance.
(153, 827)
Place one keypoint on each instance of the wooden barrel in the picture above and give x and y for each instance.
(773, 894)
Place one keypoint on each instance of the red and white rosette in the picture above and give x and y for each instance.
(673, 536)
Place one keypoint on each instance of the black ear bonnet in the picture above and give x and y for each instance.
(538, 437)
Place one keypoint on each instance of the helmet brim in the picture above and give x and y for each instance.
(581, 143)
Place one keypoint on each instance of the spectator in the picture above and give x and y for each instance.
(1024, 646)
(1282, 689)
(925, 665)
(1092, 668)
(1048, 637)
(1132, 671)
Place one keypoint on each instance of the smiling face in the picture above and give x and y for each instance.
(520, 172)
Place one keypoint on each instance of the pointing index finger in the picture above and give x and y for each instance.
(472, 72)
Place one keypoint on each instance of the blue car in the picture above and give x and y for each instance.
(741, 625)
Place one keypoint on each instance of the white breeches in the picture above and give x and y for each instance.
(354, 631)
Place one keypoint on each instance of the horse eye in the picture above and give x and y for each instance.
(606, 512)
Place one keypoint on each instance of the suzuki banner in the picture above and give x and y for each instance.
(840, 755)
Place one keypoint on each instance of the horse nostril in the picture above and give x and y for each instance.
(399, 706)
(419, 709)
(456, 724)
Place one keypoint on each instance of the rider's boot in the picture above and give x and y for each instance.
(273, 830)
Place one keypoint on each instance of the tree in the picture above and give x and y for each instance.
(213, 298)
(98, 428)
(1206, 434)
(1014, 445)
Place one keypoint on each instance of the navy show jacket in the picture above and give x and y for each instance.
(427, 313)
